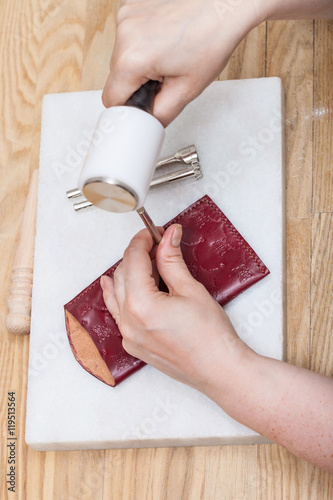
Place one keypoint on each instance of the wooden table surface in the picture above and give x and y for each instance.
(64, 45)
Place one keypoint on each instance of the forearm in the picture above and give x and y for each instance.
(288, 404)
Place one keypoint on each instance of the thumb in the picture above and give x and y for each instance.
(170, 262)
(119, 88)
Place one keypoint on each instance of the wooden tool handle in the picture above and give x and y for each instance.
(19, 301)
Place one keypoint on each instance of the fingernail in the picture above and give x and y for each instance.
(177, 236)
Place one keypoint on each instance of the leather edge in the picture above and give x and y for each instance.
(85, 350)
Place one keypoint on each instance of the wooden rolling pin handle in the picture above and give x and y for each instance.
(19, 301)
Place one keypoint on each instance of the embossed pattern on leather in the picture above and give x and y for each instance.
(216, 255)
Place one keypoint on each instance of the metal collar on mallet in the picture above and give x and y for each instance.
(110, 194)
(119, 198)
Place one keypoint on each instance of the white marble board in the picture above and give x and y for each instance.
(237, 127)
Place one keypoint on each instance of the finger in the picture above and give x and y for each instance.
(173, 96)
(119, 285)
(175, 93)
(120, 86)
(170, 262)
(109, 297)
(155, 274)
(154, 249)
(137, 266)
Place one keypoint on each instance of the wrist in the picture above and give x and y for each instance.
(231, 363)
(240, 16)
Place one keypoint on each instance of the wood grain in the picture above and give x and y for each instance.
(248, 60)
(290, 56)
(323, 117)
(322, 294)
(60, 45)
(298, 291)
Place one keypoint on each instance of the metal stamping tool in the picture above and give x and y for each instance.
(186, 156)
(149, 225)
(194, 171)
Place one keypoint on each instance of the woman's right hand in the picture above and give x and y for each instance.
(183, 44)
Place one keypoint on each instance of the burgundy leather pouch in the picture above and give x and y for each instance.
(216, 255)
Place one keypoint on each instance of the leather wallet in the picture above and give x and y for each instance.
(216, 255)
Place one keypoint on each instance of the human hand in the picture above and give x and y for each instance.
(182, 44)
(184, 333)
(188, 336)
